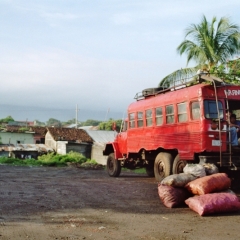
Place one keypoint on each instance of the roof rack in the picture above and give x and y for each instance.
(178, 84)
(150, 92)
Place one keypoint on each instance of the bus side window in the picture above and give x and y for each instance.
(140, 119)
(195, 110)
(182, 112)
(148, 114)
(131, 120)
(169, 114)
(159, 116)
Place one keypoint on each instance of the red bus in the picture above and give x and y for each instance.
(168, 128)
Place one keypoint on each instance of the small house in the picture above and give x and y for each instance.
(24, 151)
(16, 137)
(6, 149)
(28, 151)
(64, 140)
(23, 135)
(39, 134)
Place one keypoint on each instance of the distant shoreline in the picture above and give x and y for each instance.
(31, 113)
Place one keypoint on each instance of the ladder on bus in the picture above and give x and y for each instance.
(216, 81)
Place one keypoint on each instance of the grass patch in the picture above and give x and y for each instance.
(138, 170)
(50, 159)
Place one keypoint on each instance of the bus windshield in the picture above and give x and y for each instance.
(210, 109)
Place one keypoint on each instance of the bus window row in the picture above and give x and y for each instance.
(157, 115)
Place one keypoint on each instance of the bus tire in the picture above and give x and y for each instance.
(162, 166)
(178, 165)
(113, 166)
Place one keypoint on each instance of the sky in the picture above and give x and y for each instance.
(56, 54)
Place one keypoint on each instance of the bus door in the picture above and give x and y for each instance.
(122, 138)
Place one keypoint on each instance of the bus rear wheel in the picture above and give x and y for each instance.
(178, 165)
(162, 166)
(113, 166)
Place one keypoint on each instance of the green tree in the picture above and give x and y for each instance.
(52, 122)
(38, 123)
(109, 125)
(209, 44)
(234, 69)
(91, 122)
(71, 121)
(7, 119)
(230, 71)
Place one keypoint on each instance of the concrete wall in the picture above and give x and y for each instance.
(62, 147)
(97, 153)
(50, 142)
(13, 138)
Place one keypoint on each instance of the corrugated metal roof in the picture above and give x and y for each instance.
(89, 128)
(71, 125)
(6, 147)
(101, 136)
(26, 147)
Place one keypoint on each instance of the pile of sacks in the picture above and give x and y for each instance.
(202, 188)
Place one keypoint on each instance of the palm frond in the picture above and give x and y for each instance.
(179, 77)
(212, 42)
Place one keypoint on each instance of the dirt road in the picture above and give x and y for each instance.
(72, 203)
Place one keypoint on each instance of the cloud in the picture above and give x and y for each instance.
(56, 77)
(169, 12)
(122, 18)
(100, 53)
(51, 13)
(59, 16)
(56, 19)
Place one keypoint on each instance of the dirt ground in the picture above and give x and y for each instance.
(73, 203)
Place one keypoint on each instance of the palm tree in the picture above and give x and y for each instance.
(208, 44)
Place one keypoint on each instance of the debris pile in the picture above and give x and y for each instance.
(202, 188)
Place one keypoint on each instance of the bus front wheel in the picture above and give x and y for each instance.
(113, 166)
(162, 166)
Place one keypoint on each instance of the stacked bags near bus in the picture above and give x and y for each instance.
(202, 188)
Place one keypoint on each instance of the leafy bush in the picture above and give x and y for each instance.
(19, 162)
(50, 159)
(91, 161)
